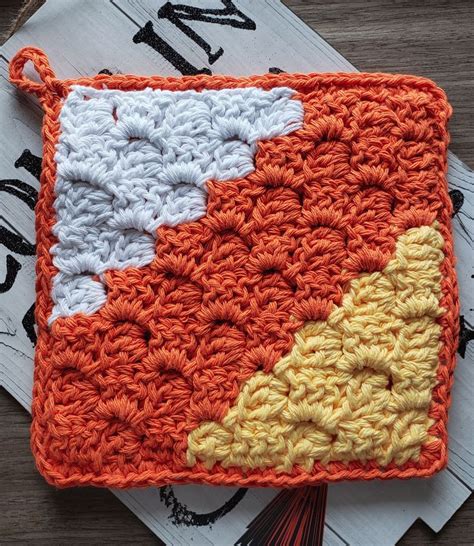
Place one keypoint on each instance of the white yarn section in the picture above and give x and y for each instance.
(129, 162)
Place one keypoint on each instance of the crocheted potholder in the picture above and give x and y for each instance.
(241, 280)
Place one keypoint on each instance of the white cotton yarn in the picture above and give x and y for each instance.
(131, 161)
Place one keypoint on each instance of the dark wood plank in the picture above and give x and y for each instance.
(433, 39)
(8, 11)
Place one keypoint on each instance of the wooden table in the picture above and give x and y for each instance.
(429, 38)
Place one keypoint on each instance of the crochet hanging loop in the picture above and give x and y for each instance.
(48, 85)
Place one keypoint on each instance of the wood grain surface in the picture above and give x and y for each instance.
(433, 38)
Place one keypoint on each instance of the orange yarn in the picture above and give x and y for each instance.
(117, 393)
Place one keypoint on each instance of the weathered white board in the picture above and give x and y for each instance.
(83, 37)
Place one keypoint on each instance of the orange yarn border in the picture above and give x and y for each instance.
(51, 91)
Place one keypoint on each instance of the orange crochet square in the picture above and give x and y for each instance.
(241, 281)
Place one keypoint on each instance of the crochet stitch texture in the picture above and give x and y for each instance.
(130, 162)
(242, 280)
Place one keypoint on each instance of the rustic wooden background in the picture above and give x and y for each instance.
(433, 38)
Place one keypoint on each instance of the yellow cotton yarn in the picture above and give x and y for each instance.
(356, 387)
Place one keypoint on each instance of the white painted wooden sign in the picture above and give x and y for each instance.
(235, 37)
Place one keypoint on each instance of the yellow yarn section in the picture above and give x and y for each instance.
(356, 387)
